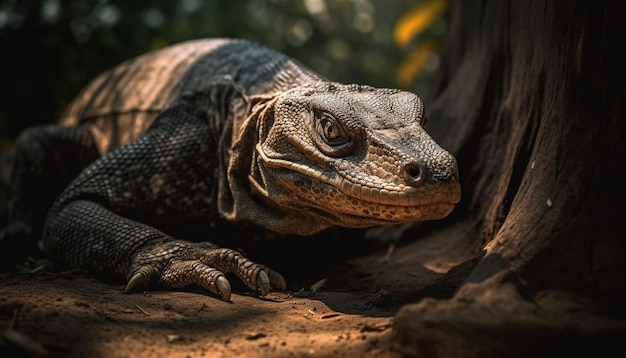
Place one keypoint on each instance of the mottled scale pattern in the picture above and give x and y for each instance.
(209, 139)
(116, 218)
(164, 179)
(368, 180)
(122, 103)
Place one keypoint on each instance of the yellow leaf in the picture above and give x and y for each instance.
(417, 20)
(414, 64)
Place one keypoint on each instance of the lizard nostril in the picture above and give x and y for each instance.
(413, 174)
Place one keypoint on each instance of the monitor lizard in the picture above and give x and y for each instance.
(153, 154)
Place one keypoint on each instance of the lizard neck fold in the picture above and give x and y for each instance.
(247, 192)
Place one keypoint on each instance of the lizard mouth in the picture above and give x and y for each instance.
(362, 205)
(391, 207)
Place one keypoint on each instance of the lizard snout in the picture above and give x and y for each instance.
(418, 174)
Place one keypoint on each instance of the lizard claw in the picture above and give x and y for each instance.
(263, 283)
(223, 287)
(141, 278)
(184, 264)
(136, 282)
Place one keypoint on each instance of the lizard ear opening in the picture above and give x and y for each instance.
(330, 136)
(423, 121)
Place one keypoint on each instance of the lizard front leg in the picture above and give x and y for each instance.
(87, 235)
(125, 214)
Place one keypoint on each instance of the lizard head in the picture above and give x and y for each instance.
(353, 156)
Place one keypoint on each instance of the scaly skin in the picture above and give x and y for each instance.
(218, 132)
(358, 154)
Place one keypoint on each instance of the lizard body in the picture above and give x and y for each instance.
(207, 131)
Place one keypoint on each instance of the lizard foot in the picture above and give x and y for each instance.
(179, 264)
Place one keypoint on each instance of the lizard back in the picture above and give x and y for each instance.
(122, 103)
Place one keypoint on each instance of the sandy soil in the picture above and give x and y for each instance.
(75, 316)
(45, 312)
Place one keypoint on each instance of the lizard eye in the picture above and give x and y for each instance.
(330, 136)
(331, 131)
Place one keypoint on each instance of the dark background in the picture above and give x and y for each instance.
(50, 49)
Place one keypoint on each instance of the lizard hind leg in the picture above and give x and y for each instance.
(45, 160)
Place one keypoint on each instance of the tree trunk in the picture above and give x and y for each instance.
(531, 98)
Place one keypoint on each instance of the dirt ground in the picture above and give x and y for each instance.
(45, 312)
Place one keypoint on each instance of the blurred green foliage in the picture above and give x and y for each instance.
(51, 48)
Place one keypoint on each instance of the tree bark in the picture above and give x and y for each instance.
(531, 98)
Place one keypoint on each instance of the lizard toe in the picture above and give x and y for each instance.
(187, 273)
(257, 277)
